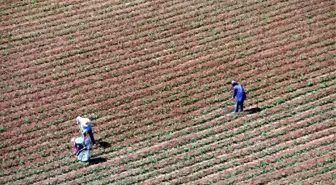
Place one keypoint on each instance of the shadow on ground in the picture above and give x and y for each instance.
(253, 110)
(97, 160)
(103, 144)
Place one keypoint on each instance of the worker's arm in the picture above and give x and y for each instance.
(234, 92)
(79, 151)
(80, 128)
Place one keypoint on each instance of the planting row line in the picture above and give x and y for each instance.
(301, 165)
(59, 29)
(154, 160)
(250, 152)
(25, 73)
(69, 12)
(180, 125)
(278, 173)
(312, 172)
(190, 106)
(196, 176)
(173, 167)
(197, 147)
(26, 138)
(324, 178)
(305, 136)
(172, 10)
(29, 9)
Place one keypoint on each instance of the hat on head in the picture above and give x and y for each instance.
(234, 82)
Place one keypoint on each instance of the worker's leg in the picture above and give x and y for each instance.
(242, 106)
(236, 106)
(91, 136)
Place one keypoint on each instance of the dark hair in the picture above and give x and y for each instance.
(234, 83)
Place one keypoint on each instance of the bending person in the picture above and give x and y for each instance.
(85, 127)
(81, 147)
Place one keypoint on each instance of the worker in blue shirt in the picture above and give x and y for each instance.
(239, 94)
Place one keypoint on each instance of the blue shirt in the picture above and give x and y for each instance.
(239, 92)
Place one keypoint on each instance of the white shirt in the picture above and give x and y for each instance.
(85, 124)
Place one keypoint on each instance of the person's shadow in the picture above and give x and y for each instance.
(253, 110)
(103, 144)
(97, 160)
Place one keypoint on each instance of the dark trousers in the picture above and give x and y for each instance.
(91, 136)
(239, 106)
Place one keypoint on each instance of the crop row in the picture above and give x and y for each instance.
(172, 10)
(258, 166)
(154, 160)
(26, 73)
(98, 28)
(183, 163)
(40, 69)
(216, 138)
(177, 127)
(67, 11)
(310, 173)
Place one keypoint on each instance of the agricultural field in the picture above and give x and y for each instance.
(154, 78)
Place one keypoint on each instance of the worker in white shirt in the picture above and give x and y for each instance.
(85, 127)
